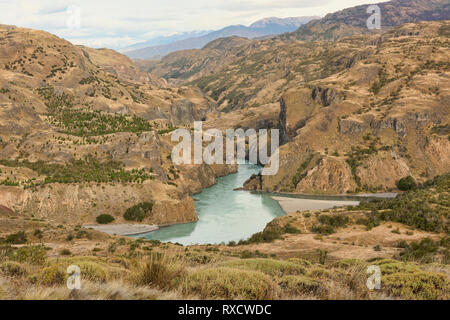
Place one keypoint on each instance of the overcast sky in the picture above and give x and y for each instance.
(115, 24)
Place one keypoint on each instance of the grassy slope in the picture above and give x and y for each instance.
(120, 268)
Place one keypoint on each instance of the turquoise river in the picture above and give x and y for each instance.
(224, 214)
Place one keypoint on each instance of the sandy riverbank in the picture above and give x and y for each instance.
(123, 229)
(297, 204)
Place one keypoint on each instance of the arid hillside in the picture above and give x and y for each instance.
(185, 66)
(381, 116)
(83, 132)
(379, 107)
(352, 21)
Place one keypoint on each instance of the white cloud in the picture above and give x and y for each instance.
(116, 24)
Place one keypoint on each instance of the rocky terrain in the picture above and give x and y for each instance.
(382, 116)
(380, 108)
(83, 132)
(352, 21)
(188, 65)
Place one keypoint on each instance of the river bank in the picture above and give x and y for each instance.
(123, 229)
(296, 204)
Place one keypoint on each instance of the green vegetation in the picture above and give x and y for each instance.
(17, 238)
(357, 156)
(441, 130)
(13, 269)
(65, 252)
(271, 233)
(371, 221)
(426, 251)
(329, 223)
(85, 123)
(417, 286)
(77, 171)
(229, 283)
(267, 266)
(302, 285)
(211, 273)
(168, 130)
(82, 123)
(381, 82)
(7, 182)
(104, 219)
(34, 255)
(426, 208)
(55, 272)
(138, 212)
(407, 183)
(300, 174)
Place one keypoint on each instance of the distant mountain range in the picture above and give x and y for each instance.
(165, 39)
(261, 28)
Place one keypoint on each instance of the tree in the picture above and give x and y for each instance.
(407, 183)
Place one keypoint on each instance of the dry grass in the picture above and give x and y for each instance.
(166, 274)
(160, 271)
(113, 290)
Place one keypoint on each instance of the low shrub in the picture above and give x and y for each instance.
(328, 223)
(349, 263)
(268, 266)
(199, 257)
(36, 255)
(388, 266)
(138, 212)
(406, 184)
(104, 219)
(246, 254)
(93, 271)
(231, 284)
(318, 272)
(65, 252)
(271, 233)
(425, 208)
(423, 251)
(90, 269)
(371, 221)
(302, 285)
(300, 261)
(53, 275)
(13, 269)
(417, 286)
(17, 238)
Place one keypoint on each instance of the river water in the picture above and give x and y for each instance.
(224, 215)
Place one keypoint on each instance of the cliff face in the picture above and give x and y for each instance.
(82, 203)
